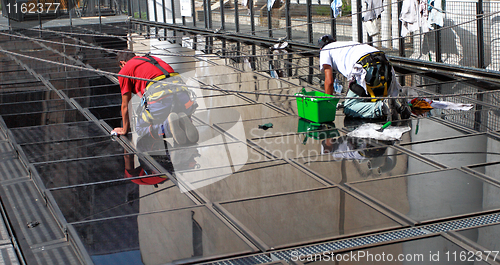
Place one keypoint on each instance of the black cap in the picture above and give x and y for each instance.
(326, 39)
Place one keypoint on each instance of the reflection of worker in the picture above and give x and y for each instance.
(350, 148)
(370, 75)
(134, 172)
(164, 108)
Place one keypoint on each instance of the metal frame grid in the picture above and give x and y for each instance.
(216, 207)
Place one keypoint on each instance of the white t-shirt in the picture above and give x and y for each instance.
(343, 55)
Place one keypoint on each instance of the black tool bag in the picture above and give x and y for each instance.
(159, 100)
(378, 76)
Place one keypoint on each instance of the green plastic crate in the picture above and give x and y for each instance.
(317, 109)
(317, 131)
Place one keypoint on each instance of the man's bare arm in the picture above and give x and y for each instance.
(125, 115)
(328, 79)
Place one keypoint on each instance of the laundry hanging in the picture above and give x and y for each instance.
(436, 16)
(371, 16)
(336, 6)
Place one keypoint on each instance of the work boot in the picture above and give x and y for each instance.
(178, 133)
(386, 109)
(188, 127)
(402, 108)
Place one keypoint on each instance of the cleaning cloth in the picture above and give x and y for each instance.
(369, 130)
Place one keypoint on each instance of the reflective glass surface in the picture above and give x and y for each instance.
(18, 97)
(459, 151)
(487, 237)
(362, 164)
(256, 129)
(101, 100)
(138, 195)
(63, 131)
(298, 217)
(35, 106)
(249, 180)
(431, 250)
(235, 114)
(159, 238)
(221, 101)
(415, 196)
(94, 90)
(106, 112)
(43, 118)
(492, 171)
(91, 170)
(72, 149)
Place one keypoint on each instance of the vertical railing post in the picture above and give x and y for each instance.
(400, 27)
(311, 69)
(155, 10)
(359, 17)
(438, 44)
(309, 21)
(236, 16)
(252, 17)
(209, 9)
(174, 40)
(222, 15)
(288, 18)
(269, 22)
(333, 24)
(480, 34)
(193, 15)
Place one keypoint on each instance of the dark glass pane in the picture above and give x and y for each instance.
(43, 118)
(159, 238)
(101, 100)
(56, 132)
(91, 170)
(138, 195)
(416, 196)
(90, 91)
(72, 149)
(35, 106)
(250, 180)
(106, 112)
(6, 98)
(313, 215)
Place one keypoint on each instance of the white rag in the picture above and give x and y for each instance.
(369, 130)
(450, 105)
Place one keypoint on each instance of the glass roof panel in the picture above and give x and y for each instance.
(230, 183)
(138, 195)
(487, 237)
(430, 250)
(72, 149)
(235, 114)
(415, 196)
(459, 152)
(159, 238)
(56, 132)
(18, 97)
(312, 215)
(91, 170)
(43, 118)
(363, 164)
(34, 106)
